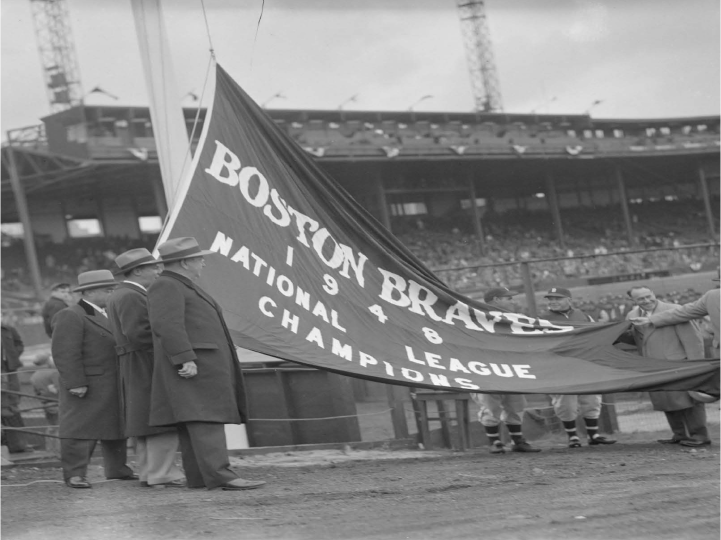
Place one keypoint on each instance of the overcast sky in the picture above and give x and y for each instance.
(642, 58)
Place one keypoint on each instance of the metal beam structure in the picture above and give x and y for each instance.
(479, 55)
(57, 54)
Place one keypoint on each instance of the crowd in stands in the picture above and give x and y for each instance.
(65, 260)
(517, 236)
(449, 247)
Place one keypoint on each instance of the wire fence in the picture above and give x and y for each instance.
(34, 422)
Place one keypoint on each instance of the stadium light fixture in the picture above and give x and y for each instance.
(544, 104)
(351, 99)
(592, 105)
(192, 95)
(427, 96)
(277, 95)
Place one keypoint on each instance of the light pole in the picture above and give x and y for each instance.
(351, 99)
(592, 105)
(411, 109)
(277, 95)
(544, 104)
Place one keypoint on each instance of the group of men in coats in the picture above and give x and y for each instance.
(152, 358)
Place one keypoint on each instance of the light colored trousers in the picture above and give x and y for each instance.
(568, 407)
(155, 456)
(497, 408)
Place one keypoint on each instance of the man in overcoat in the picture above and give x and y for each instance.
(197, 382)
(84, 352)
(12, 348)
(708, 305)
(127, 309)
(686, 416)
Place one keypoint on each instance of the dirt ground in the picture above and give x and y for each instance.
(631, 490)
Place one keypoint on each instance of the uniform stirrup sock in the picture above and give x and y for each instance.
(516, 433)
(570, 427)
(492, 434)
(591, 427)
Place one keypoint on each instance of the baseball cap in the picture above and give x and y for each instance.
(558, 292)
(60, 285)
(498, 292)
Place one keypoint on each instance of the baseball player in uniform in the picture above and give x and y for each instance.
(567, 408)
(506, 408)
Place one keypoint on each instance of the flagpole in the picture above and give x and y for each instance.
(166, 113)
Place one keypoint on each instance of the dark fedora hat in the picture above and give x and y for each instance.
(177, 249)
(95, 279)
(132, 259)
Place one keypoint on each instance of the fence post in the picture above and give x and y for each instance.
(398, 413)
(608, 421)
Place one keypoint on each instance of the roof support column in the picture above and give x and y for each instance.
(30, 253)
(382, 202)
(706, 200)
(553, 205)
(476, 216)
(623, 198)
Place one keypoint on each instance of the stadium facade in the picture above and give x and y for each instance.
(94, 171)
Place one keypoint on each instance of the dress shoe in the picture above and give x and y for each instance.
(240, 483)
(78, 482)
(179, 483)
(524, 447)
(694, 443)
(669, 441)
(131, 476)
(598, 439)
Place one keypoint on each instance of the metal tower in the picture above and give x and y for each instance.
(57, 53)
(479, 55)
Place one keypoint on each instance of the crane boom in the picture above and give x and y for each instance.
(479, 55)
(57, 53)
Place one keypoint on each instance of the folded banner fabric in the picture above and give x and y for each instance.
(303, 273)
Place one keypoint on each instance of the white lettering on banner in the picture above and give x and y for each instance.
(226, 168)
(421, 300)
(223, 244)
(479, 368)
(345, 351)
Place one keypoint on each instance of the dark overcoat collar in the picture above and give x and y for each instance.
(93, 316)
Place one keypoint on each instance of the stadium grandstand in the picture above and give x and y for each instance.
(465, 191)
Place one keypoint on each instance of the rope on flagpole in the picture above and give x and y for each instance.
(207, 30)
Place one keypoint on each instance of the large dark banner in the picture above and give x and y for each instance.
(305, 274)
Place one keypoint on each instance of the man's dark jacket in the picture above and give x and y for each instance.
(188, 325)
(128, 313)
(83, 348)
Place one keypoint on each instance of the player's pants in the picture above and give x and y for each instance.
(497, 408)
(568, 407)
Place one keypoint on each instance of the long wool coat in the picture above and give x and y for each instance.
(188, 325)
(679, 342)
(128, 313)
(84, 352)
(708, 304)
